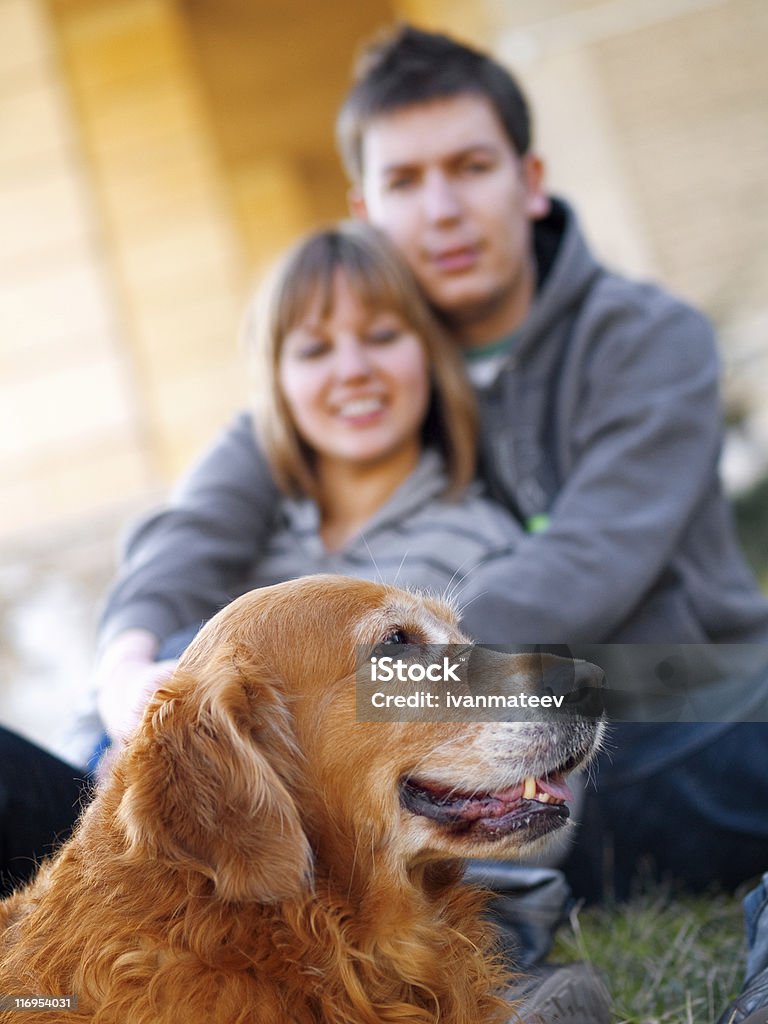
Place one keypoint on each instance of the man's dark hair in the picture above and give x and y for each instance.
(407, 66)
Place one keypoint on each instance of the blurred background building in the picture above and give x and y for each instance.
(157, 153)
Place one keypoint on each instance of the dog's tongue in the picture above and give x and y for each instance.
(556, 786)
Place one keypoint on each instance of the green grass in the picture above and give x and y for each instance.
(666, 960)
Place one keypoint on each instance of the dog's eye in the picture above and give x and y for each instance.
(397, 636)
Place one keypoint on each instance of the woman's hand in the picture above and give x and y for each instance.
(126, 678)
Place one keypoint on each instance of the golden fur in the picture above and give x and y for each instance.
(248, 858)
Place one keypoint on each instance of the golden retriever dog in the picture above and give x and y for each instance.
(257, 854)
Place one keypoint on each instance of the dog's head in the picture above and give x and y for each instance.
(250, 767)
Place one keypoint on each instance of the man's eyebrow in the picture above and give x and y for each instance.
(399, 167)
(413, 164)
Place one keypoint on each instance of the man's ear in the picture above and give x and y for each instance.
(534, 174)
(356, 203)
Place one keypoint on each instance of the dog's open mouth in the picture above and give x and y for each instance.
(535, 805)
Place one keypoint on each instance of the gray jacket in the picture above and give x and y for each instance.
(606, 416)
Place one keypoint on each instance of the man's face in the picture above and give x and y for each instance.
(442, 179)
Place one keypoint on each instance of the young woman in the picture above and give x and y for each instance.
(368, 423)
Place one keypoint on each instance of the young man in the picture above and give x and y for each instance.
(600, 429)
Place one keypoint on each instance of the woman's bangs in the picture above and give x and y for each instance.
(370, 268)
(307, 288)
(375, 287)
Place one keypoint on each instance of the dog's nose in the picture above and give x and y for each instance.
(572, 675)
(587, 696)
(585, 674)
(579, 683)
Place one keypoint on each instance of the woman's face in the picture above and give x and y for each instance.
(356, 381)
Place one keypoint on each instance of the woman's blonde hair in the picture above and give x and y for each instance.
(382, 280)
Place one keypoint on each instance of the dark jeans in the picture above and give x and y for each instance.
(756, 921)
(40, 799)
(687, 802)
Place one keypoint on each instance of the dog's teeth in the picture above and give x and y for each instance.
(543, 798)
(529, 789)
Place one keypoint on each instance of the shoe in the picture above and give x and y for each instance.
(751, 1006)
(565, 994)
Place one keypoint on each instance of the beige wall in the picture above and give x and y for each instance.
(67, 387)
(274, 76)
(173, 251)
(665, 104)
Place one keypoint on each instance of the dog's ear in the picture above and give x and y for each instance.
(206, 782)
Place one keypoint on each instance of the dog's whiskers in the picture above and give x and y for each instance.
(463, 607)
(400, 568)
(379, 576)
(452, 586)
